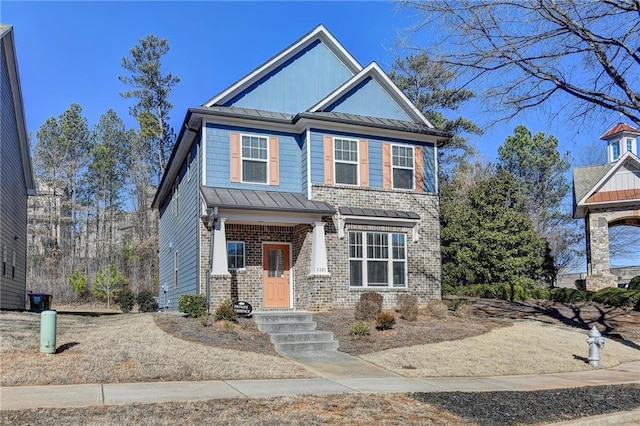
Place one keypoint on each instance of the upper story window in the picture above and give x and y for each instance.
(403, 167)
(615, 150)
(346, 161)
(629, 144)
(254, 159)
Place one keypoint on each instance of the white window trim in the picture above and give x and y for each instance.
(390, 260)
(244, 255)
(242, 158)
(357, 162)
(413, 168)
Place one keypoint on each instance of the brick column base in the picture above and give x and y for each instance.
(220, 289)
(320, 292)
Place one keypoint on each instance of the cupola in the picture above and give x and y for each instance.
(620, 139)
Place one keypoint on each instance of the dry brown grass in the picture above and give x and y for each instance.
(525, 348)
(365, 409)
(122, 348)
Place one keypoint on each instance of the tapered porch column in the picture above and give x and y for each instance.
(219, 253)
(319, 263)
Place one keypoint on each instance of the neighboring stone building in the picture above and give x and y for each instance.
(308, 182)
(608, 195)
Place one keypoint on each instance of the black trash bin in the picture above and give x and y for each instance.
(39, 302)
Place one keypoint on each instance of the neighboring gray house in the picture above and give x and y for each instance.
(16, 178)
(310, 180)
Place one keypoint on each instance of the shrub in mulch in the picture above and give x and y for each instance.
(359, 328)
(464, 311)
(369, 305)
(408, 307)
(225, 312)
(437, 308)
(385, 321)
(194, 305)
(147, 301)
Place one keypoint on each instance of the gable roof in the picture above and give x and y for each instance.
(619, 128)
(318, 33)
(6, 38)
(374, 71)
(588, 180)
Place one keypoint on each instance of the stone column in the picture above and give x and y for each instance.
(598, 274)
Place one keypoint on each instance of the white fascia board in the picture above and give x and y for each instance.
(374, 71)
(319, 32)
(257, 217)
(626, 157)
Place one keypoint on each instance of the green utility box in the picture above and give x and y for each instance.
(48, 320)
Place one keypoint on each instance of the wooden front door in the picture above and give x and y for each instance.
(275, 276)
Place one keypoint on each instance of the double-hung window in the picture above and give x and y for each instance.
(615, 148)
(254, 159)
(346, 161)
(235, 255)
(377, 259)
(629, 144)
(402, 163)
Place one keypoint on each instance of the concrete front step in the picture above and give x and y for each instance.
(302, 336)
(307, 346)
(294, 332)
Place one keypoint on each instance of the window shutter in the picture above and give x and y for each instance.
(386, 166)
(235, 166)
(364, 162)
(328, 160)
(274, 161)
(419, 159)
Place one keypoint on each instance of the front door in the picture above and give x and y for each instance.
(275, 276)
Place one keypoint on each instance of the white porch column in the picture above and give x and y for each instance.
(219, 253)
(319, 263)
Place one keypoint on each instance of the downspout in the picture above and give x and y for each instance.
(213, 218)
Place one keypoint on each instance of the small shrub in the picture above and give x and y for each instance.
(78, 282)
(464, 311)
(617, 297)
(385, 320)
(147, 301)
(460, 301)
(204, 320)
(634, 284)
(126, 300)
(437, 308)
(568, 295)
(369, 306)
(194, 305)
(408, 305)
(225, 312)
(448, 289)
(540, 294)
(359, 328)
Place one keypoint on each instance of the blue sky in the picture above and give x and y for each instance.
(71, 52)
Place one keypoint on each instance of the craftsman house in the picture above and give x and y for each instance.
(16, 178)
(608, 195)
(305, 183)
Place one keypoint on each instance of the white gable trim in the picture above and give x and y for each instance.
(318, 33)
(374, 71)
(627, 157)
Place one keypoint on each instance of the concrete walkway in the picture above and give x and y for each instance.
(25, 397)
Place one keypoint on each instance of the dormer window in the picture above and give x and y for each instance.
(615, 150)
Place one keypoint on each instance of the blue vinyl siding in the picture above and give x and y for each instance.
(218, 162)
(297, 84)
(370, 99)
(303, 165)
(375, 158)
(180, 233)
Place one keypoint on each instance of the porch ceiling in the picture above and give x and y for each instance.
(245, 199)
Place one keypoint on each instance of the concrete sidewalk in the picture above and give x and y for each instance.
(25, 397)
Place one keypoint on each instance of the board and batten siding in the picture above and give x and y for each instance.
(302, 81)
(13, 200)
(179, 233)
(370, 99)
(375, 160)
(218, 159)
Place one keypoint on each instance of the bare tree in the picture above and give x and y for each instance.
(529, 51)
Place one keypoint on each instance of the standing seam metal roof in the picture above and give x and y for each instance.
(245, 199)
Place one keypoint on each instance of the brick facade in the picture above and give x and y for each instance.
(325, 292)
